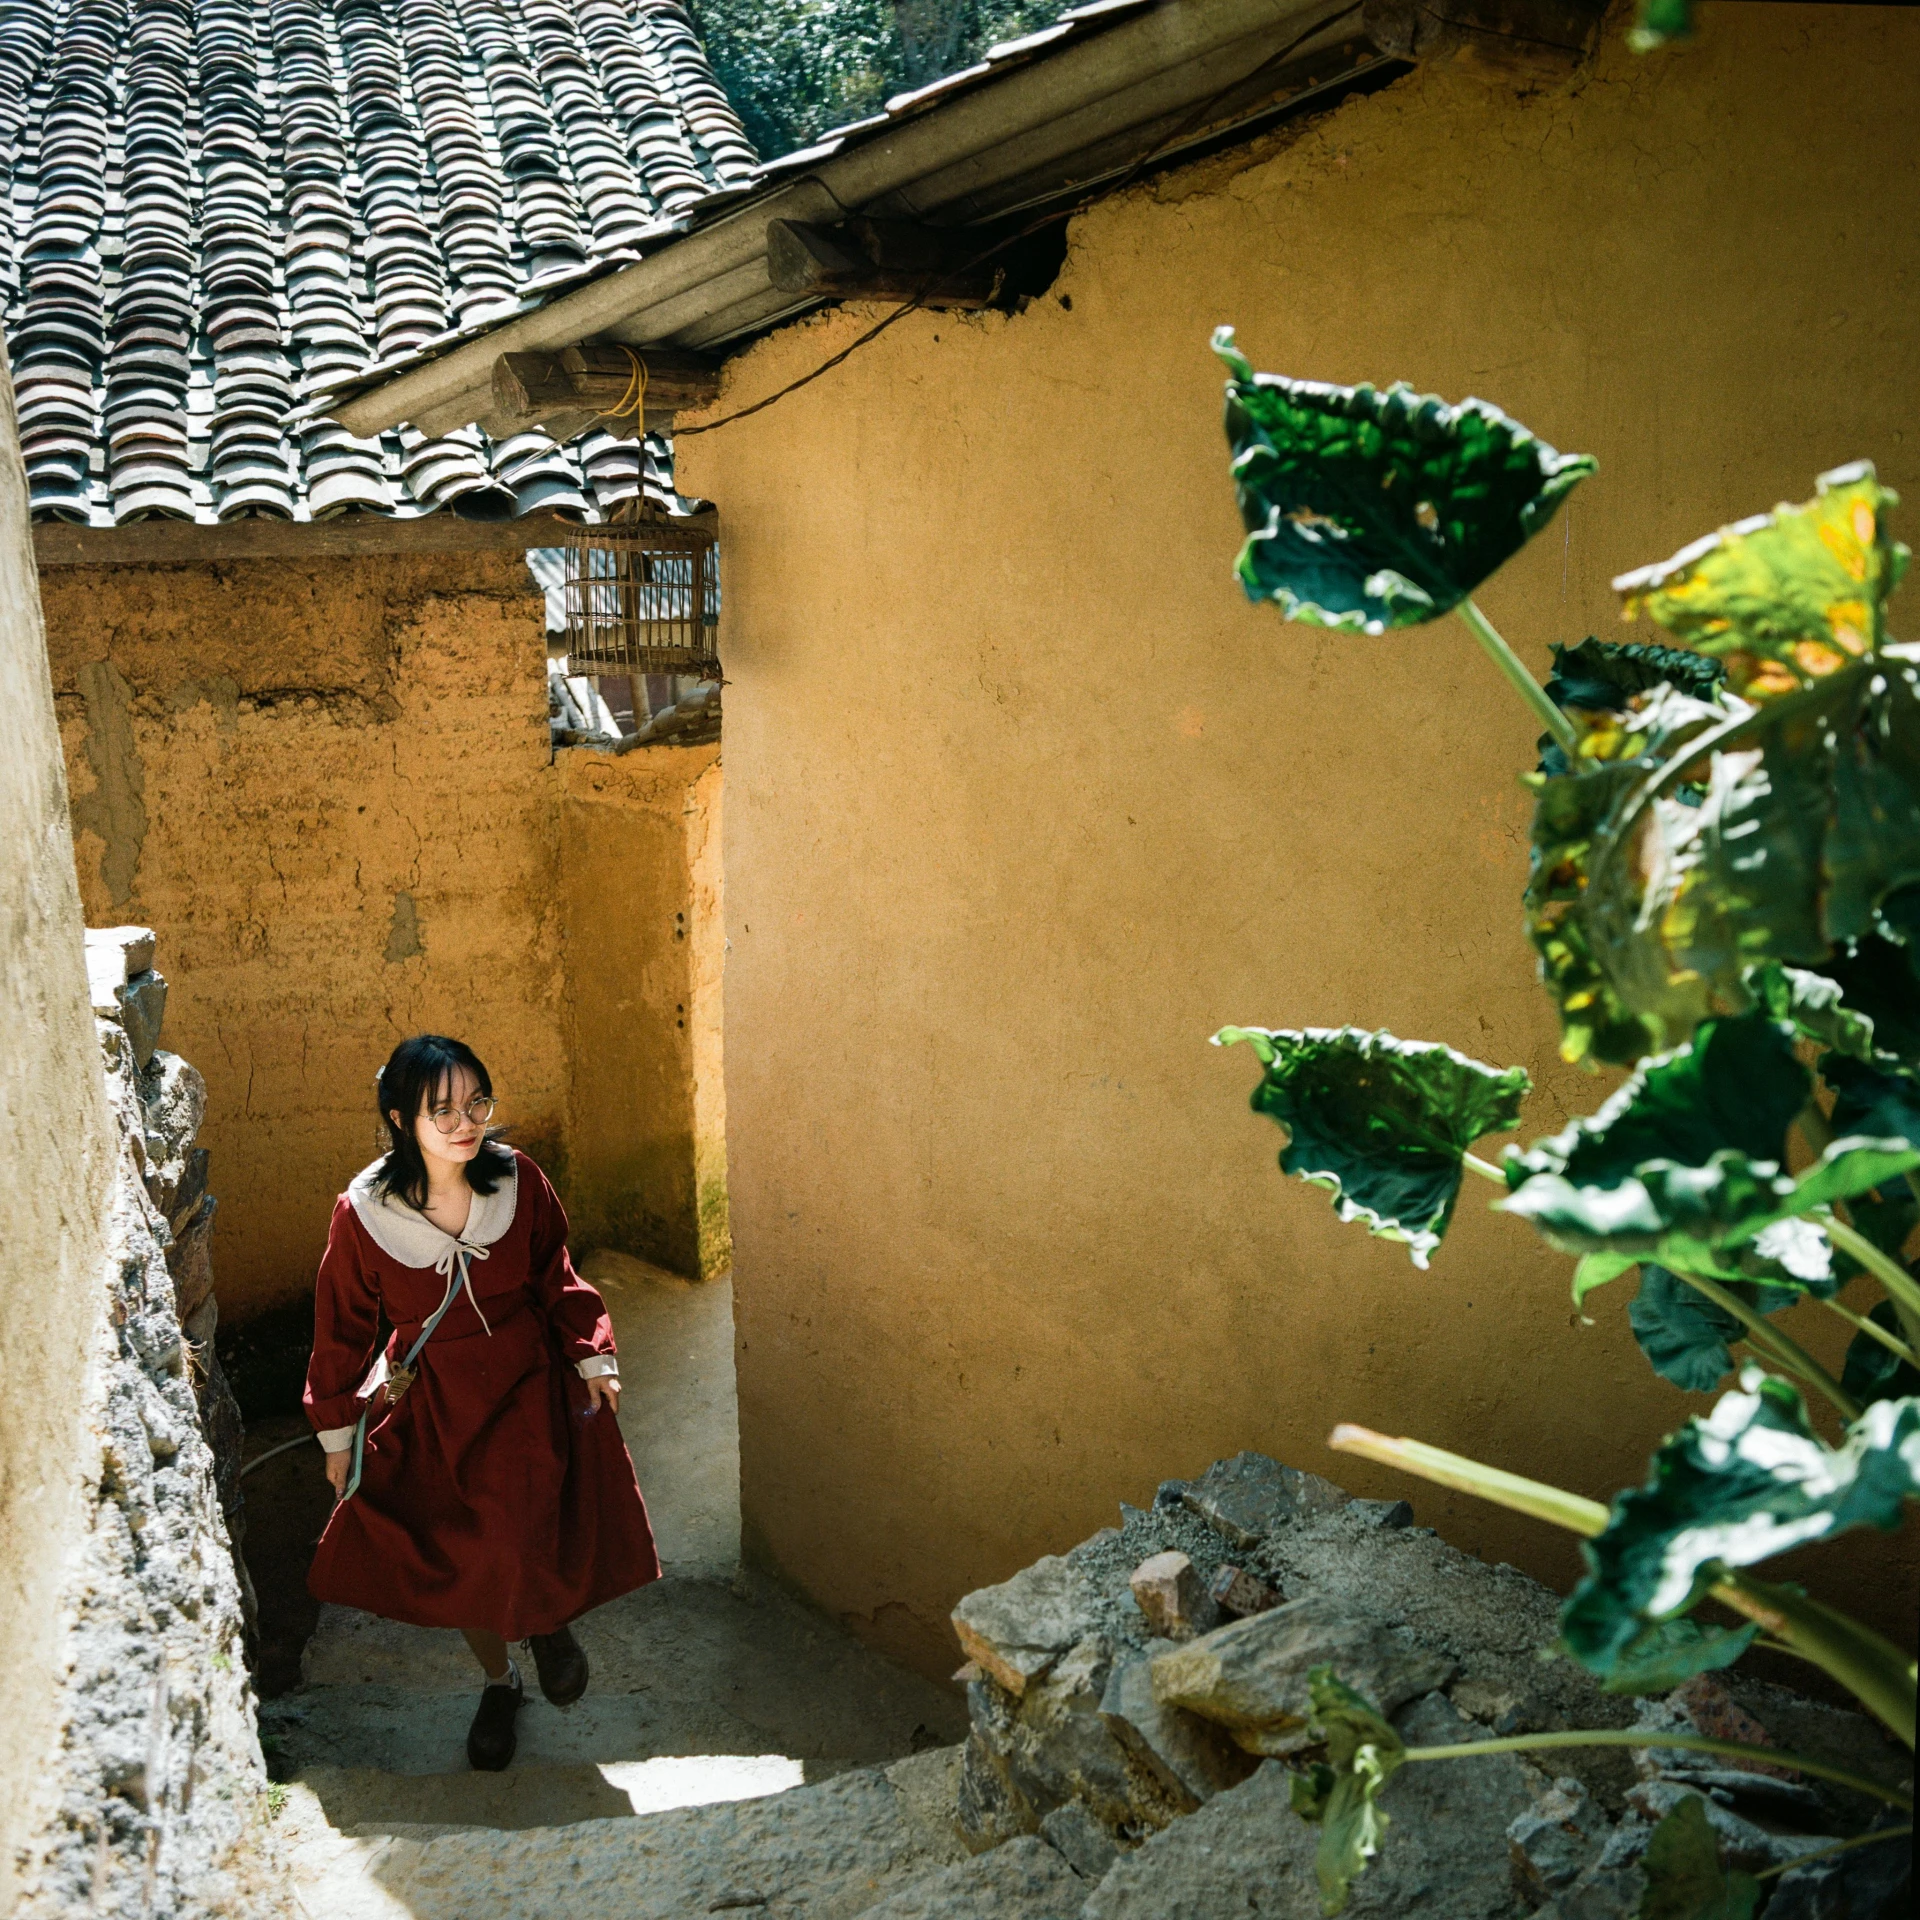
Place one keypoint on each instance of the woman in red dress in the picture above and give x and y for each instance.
(484, 1485)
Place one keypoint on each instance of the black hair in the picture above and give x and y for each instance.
(420, 1069)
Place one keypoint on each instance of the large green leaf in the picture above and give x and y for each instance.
(1341, 1794)
(1660, 23)
(1670, 1652)
(1687, 1338)
(1685, 1880)
(1878, 983)
(1748, 1481)
(1372, 510)
(1874, 1371)
(1816, 1005)
(1685, 1164)
(1785, 598)
(1381, 1123)
(1604, 676)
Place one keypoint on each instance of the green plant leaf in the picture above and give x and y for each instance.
(1879, 984)
(1661, 23)
(1686, 1338)
(1370, 510)
(1873, 1102)
(1686, 1165)
(1341, 1794)
(1685, 1880)
(1872, 1372)
(1749, 1480)
(1815, 1003)
(1788, 597)
(1603, 676)
(1670, 1652)
(1381, 1123)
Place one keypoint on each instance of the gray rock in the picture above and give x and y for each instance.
(1607, 1893)
(114, 956)
(1052, 1746)
(1080, 1840)
(1017, 1630)
(1556, 1840)
(1744, 1845)
(1251, 1677)
(989, 1808)
(1170, 1597)
(143, 1004)
(1382, 1513)
(1250, 1496)
(1191, 1758)
(1024, 1880)
(1869, 1883)
(1247, 1856)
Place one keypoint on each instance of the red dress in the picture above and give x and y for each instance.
(490, 1496)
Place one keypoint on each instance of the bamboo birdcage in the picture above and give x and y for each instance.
(642, 596)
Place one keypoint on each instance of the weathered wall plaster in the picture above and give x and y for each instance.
(332, 784)
(643, 1003)
(57, 1146)
(1025, 800)
(131, 1779)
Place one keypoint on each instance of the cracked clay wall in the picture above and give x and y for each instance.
(1009, 1246)
(331, 783)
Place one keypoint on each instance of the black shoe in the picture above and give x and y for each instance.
(561, 1664)
(490, 1739)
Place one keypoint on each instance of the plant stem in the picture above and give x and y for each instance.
(1874, 1331)
(1552, 1504)
(1529, 689)
(1839, 1846)
(1901, 1287)
(1648, 1737)
(1781, 1347)
(1484, 1168)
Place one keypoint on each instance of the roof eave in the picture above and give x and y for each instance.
(1057, 120)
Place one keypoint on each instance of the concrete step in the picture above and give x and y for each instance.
(827, 1852)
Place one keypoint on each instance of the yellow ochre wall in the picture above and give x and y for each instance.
(329, 786)
(1025, 800)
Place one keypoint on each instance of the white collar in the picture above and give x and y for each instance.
(411, 1238)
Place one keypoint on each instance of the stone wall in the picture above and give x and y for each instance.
(150, 1801)
(332, 783)
(1025, 800)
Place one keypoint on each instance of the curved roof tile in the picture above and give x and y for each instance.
(211, 207)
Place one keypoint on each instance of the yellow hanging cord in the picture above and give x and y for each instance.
(634, 401)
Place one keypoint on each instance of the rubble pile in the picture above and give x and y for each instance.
(1135, 1702)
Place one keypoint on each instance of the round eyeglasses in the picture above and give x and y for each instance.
(476, 1113)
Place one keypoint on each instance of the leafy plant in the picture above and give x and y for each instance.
(1724, 897)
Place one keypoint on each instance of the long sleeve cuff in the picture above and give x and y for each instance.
(597, 1366)
(336, 1439)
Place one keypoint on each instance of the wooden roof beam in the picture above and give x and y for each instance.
(567, 392)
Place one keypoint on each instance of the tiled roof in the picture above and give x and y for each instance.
(210, 208)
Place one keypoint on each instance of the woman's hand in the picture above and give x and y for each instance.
(339, 1465)
(603, 1389)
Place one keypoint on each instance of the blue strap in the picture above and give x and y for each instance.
(454, 1285)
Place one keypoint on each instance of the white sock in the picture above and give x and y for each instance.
(511, 1678)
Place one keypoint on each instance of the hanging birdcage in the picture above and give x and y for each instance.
(642, 596)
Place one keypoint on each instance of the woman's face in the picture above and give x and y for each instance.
(446, 1126)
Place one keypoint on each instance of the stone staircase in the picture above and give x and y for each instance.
(736, 1752)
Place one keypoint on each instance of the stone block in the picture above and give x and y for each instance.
(1871, 1883)
(1743, 1845)
(1250, 1496)
(1245, 1853)
(1024, 1880)
(1555, 1841)
(1017, 1630)
(1168, 1592)
(114, 956)
(190, 1261)
(1190, 1758)
(1080, 1840)
(1391, 1514)
(1251, 1677)
(1238, 1593)
(143, 1004)
(1702, 1706)
(988, 1808)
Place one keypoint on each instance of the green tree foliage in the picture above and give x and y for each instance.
(794, 69)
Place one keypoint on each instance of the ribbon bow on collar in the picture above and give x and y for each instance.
(464, 1253)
